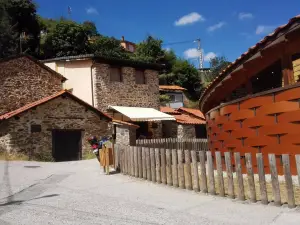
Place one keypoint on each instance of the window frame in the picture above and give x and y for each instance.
(120, 74)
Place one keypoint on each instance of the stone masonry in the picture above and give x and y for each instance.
(125, 135)
(127, 92)
(186, 131)
(59, 113)
(24, 81)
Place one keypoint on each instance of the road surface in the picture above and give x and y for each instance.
(80, 193)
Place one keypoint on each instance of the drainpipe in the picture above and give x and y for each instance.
(92, 83)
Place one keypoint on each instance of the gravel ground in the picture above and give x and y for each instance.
(79, 193)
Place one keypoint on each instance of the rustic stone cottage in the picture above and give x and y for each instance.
(124, 89)
(25, 80)
(56, 127)
(190, 123)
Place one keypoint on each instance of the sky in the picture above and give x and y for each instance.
(226, 27)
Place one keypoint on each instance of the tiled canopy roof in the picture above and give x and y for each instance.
(168, 110)
(195, 112)
(187, 119)
(46, 99)
(171, 88)
(251, 51)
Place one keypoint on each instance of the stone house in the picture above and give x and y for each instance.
(190, 123)
(56, 127)
(109, 84)
(175, 93)
(25, 80)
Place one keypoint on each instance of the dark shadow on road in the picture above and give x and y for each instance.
(22, 201)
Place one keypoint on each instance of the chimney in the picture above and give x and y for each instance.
(123, 39)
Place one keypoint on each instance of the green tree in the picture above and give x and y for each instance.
(68, 38)
(9, 38)
(108, 46)
(150, 50)
(23, 18)
(90, 28)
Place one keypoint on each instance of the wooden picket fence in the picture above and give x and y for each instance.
(194, 170)
(197, 144)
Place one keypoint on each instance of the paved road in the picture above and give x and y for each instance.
(79, 193)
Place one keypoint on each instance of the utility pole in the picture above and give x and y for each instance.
(200, 53)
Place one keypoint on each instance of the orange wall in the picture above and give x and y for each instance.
(269, 121)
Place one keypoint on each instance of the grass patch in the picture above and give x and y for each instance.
(88, 155)
(13, 157)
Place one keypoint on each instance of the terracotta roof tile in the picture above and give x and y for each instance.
(46, 99)
(253, 50)
(171, 88)
(168, 110)
(195, 112)
(186, 119)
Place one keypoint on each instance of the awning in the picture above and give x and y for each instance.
(142, 114)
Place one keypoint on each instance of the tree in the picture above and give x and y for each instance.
(149, 50)
(9, 38)
(90, 28)
(22, 14)
(108, 46)
(68, 38)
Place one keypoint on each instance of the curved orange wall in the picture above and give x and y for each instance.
(268, 123)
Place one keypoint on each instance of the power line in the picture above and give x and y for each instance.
(180, 42)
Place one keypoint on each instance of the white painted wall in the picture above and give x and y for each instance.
(78, 74)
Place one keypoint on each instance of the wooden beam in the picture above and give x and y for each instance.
(287, 69)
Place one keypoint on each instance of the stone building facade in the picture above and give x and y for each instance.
(59, 112)
(126, 134)
(126, 92)
(25, 80)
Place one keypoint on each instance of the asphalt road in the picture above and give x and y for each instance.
(79, 193)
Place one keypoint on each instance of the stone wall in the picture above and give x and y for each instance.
(125, 135)
(127, 92)
(59, 113)
(24, 81)
(169, 129)
(186, 131)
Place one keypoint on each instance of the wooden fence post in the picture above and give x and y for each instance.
(175, 168)
(140, 162)
(187, 170)
(220, 173)
(181, 169)
(262, 178)
(203, 179)
(250, 177)
(195, 171)
(211, 175)
(157, 165)
(288, 180)
(239, 177)
(144, 162)
(229, 174)
(148, 164)
(163, 166)
(169, 167)
(152, 161)
(132, 160)
(298, 167)
(274, 177)
(126, 159)
(136, 166)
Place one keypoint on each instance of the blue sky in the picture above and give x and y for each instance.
(226, 27)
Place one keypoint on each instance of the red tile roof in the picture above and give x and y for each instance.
(125, 123)
(195, 112)
(251, 51)
(49, 98)
(35, 61)
(168, 110)
(171, 88)
(187, 119)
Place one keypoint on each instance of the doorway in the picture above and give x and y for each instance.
(66, 145)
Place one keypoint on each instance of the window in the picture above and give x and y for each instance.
(140, 77)
(115, 74)
(35, 128)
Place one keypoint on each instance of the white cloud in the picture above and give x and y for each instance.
(92, 10)
(189, 19)
(194, 53)
(216, 27)
(245, 16)
(261, 29)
